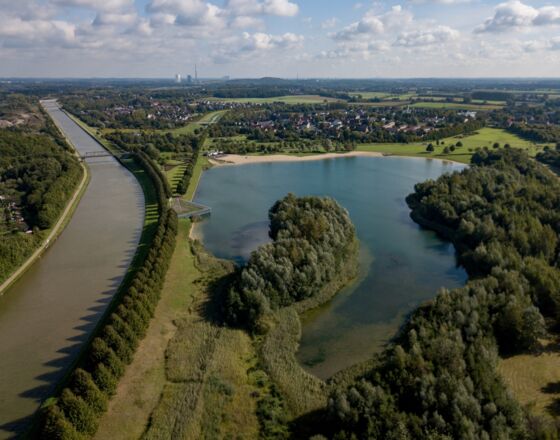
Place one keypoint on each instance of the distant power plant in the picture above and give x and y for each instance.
(178, 78)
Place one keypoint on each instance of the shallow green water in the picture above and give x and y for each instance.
(401, 264)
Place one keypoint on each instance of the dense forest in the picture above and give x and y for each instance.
(438, 379)
(38, 175)
(312, 238)
(537, 133)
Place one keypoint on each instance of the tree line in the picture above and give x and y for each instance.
(75, 412)
(185, 147)
(312, 238)
(438, 378)
(38, 175)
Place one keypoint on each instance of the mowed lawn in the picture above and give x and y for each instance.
(485, 137)
(291, 99)
(206, 119)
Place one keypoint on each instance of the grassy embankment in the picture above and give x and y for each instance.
(190, 377)
(485, 137)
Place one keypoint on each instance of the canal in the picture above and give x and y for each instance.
(49, 312)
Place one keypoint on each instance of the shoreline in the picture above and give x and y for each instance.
(238, 159)
(228, 160)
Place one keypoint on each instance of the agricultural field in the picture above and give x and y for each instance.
(485, 137)
(291, 99)
(381, 104)
(384, 95)
(457, 106)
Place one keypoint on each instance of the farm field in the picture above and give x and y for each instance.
(457, 106)
(291, 99)
(384, 95)
(381, 104)
(485, 137)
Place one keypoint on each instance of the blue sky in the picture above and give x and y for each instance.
(254, 38)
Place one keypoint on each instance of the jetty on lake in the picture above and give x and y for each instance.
(186, 209)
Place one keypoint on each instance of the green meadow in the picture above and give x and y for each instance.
(485, 137)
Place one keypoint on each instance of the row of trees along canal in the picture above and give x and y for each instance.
(184, 147)
(74, 412)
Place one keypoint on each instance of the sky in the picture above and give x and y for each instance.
(281, 38)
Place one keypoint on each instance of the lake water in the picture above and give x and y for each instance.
(401, 264)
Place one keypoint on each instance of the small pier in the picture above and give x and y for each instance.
(185, 209)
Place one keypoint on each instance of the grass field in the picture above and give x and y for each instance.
(457, 106)
(485, 137)
(535, 379)
(175, 174)
(207, 119)
(381, 104)
(291, 99)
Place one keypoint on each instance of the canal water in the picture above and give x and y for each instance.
(48, 313)
(401, 264)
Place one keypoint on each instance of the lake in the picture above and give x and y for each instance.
(401, 264)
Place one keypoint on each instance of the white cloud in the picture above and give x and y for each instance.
(282, 8)
(371, 24)
(548, 15)
(98, 5)
(263, 41)
(542, 45)
(330, 23)
(189, 13)
(17, 32)
(115, 19)
(516, 15)
(441, 2)
(427, 37)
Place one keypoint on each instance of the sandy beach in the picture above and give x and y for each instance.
(236, 159)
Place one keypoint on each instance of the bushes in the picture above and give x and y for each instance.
(76, 410)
